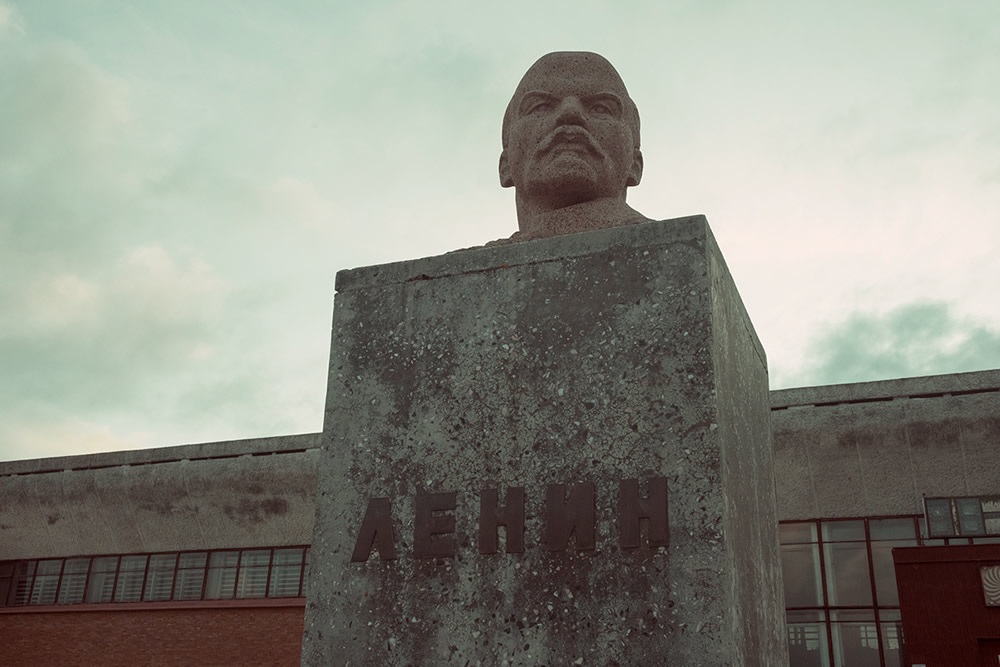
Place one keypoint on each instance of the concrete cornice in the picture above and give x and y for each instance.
(886, 390)
(283, 444)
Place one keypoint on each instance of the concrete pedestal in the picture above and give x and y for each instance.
(554, 452)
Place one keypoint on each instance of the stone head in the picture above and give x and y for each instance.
(570, 134)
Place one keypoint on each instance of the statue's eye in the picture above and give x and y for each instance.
(601, 108)
(540, 106)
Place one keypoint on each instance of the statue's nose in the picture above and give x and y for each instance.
(570, 112)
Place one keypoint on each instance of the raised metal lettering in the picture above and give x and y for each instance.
(433, 535)
(376, 530)
(573, 516)
(633, 509)
(510, 516)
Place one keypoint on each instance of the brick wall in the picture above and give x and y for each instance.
(136, 636)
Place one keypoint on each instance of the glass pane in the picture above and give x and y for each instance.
(855, 644)
(74, 579)
(130, 577)
(843, 531)
(805, 615)
(885, 571)
(892, 529)
(221, 579)
(6, 574)
(801, 573)
(256, 557)
(285, 573)
(46, 581)
(940, 523)
(287, 556)
(24, 577)
(892, 644)
(190, 575)
(253, 573)
(807, 645)
(797, 533)
(846, 615)
(160, 579)
(986, 540)
(102, 579)
(847, 579)
(970, 516)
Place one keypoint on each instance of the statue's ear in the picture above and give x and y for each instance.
(635, 171)
(506, 180)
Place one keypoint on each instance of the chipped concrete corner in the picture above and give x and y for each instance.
(588, 361)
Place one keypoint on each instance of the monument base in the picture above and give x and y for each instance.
(552, 452)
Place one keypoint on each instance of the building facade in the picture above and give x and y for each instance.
(197, 554)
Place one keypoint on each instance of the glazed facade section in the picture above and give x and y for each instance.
(193, 575)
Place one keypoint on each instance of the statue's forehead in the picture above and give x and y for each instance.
(572, 72)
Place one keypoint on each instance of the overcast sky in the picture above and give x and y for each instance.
(181, 180)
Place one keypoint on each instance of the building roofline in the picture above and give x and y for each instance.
(282, 444)
(928, 386)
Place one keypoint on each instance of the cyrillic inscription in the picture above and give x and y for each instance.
(570, 518)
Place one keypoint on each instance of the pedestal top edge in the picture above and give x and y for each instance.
(473, 260)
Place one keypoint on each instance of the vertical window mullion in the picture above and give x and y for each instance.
(302, 571)
(173, 578)
(236, 574)
(114, 584)
(270, 569)
(59, 581)
(86, 579)
(145, 577)
(204, 573)
(871, 580)
(826, 597)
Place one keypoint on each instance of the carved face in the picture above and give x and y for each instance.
(569, 133)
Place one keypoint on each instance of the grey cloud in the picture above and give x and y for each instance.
(921, 338)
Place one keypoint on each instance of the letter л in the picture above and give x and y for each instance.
(376, 530)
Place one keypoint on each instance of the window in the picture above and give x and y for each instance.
(970, 516)
(74, 580)
(254, 567)
(286, 580)
(221, 580)
(840, 590)
(46, 582)
(192, 575)
(131, 575)
(102, 579)
(160, 579)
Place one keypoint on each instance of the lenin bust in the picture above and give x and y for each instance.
(570, 147)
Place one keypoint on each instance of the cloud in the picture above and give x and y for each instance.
(921, 338)
(10, 19)
(64, 438)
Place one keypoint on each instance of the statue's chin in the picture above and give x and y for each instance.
(566, 188)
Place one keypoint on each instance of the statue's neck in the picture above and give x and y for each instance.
(583, 217)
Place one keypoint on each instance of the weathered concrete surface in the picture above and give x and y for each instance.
(245, 493)
(616, 354)
(877, 448)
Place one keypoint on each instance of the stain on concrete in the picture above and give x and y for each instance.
(256, 511)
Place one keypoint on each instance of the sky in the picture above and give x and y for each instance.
(181, 180)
